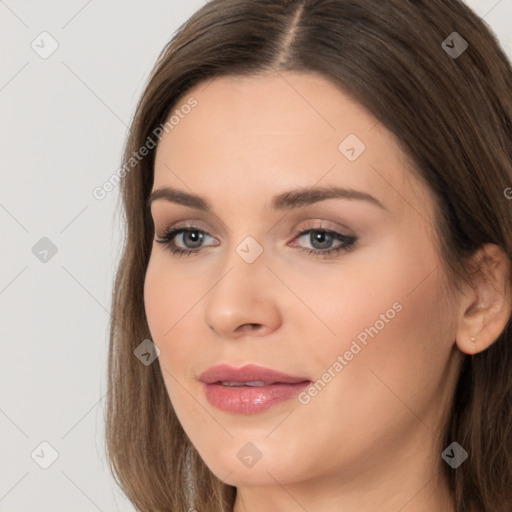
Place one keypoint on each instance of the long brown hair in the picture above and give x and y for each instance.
(453, 117)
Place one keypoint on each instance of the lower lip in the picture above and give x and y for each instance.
(250, 399)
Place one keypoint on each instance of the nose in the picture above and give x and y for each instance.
(245, 301)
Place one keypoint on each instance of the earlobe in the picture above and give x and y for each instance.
(471, 344)
(486, 307)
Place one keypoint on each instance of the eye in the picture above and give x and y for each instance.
(322, 241)
(191, 237)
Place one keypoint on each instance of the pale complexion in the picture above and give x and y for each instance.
(370, 439)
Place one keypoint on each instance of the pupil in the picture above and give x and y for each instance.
(196, 238)
(322, 238)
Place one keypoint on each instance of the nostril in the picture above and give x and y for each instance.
(251, 326)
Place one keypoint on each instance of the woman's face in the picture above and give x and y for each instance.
(368, 323)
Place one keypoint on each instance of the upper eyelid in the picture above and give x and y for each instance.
(223, 228)
(196, 224)
(190, 217)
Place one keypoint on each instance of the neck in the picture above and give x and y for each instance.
(404, 484)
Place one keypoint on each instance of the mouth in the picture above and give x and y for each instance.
(250, 374)
(250, 383)
(249, 389)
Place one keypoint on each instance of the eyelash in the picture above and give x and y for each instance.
(167, 240)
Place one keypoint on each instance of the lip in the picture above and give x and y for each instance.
(247, 373)
(249, 399)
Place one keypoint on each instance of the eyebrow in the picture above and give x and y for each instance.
(295, 198)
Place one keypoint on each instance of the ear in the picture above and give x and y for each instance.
(486, 307)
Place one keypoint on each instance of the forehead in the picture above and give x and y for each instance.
(254, 136)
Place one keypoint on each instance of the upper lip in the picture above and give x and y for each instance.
(247, 373)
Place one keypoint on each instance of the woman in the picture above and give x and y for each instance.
(313, 308)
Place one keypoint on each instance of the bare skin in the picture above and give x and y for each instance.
(370, 439)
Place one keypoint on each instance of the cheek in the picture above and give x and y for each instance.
(167, 302)
(167, 296)
(156, 300)
(393, 335)
(394, 361)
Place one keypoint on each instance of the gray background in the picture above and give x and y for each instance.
(63, 123)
